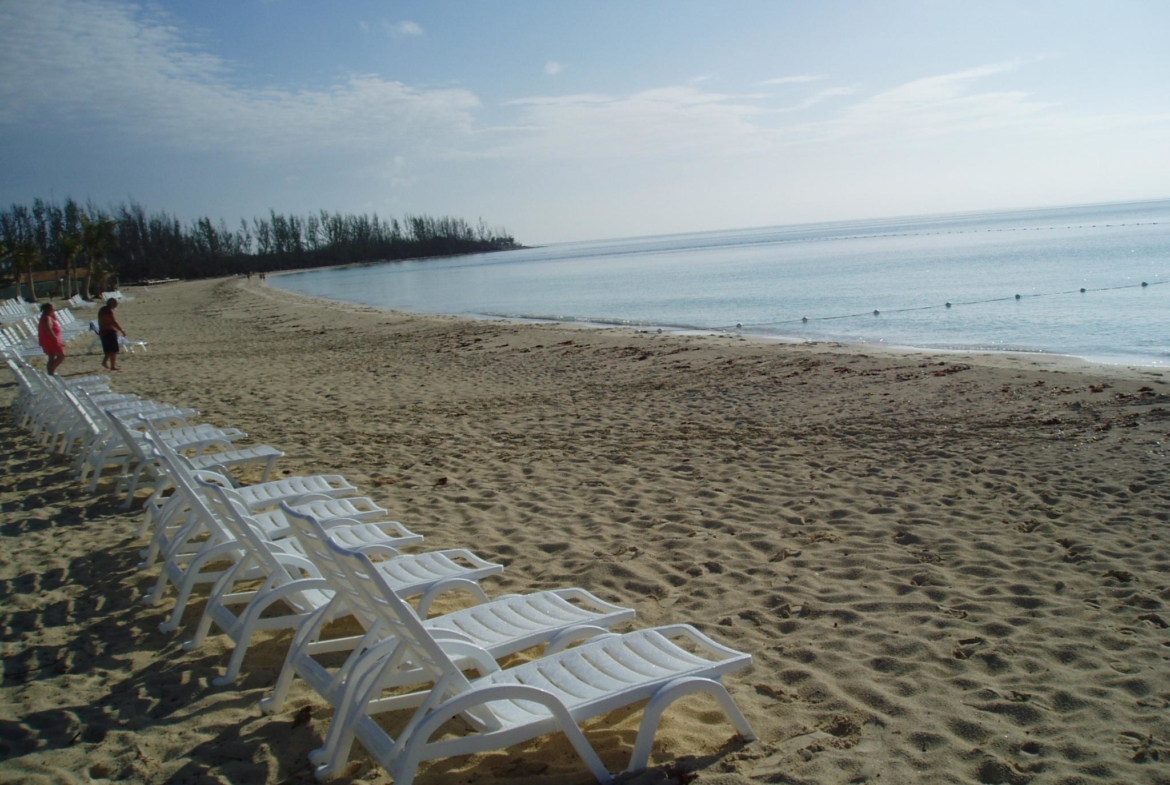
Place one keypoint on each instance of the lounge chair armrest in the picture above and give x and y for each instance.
(213, 477)
(482, 696)
(377, 549)
(288, 589)
(300, 563)
(483, 662)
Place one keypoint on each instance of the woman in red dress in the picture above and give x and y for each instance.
(49, 335)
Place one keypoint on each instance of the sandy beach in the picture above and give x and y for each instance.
(948, 569)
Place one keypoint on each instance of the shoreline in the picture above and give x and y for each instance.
(992, 358)
(1122, 365)
(947, 568)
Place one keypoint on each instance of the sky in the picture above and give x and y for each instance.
(563, 120)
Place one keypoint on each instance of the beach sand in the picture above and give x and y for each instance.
(948, 569)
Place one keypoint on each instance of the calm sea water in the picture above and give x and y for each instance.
(824, 282)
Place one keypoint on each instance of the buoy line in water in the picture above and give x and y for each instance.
(926, 233)
(947, 305)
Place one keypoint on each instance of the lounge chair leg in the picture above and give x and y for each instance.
(200, 632)
(309, 632)
(667, 695)
(176, 619)
(234, 664)
(156, 593)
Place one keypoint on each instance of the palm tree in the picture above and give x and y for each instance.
(71, 248)
(26, 257)
(98, 239)
(5, 278)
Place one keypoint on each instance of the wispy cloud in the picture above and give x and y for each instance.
(657, 124)
(647, 123)
(404, 29)
(818, 97)
(126, 73)
(781, 80)
(122, 69)
(941, 104)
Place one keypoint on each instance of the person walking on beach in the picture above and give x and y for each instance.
(108, 329)
(50, 338)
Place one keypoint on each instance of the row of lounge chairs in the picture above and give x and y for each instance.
(301, 552)
(18, 329)
(16, 308)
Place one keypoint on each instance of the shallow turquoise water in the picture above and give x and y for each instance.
(835, 275)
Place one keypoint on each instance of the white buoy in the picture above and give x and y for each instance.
(876, 312)
(948, 305)
(804, 319)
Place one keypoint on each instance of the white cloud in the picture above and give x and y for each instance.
(699, 124)
(649, 123)
(791, 80)
(942, 104)
(552, 68)
(818, 97)
(404, 28)
(122, 69)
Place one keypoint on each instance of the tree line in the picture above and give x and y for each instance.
(125, 243)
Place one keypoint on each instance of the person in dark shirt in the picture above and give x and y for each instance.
(108, 329)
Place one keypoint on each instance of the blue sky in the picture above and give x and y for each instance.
(567, 119)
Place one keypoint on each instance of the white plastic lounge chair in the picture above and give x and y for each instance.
(286, 571)
(222, 457)
(374, 521)
(109, 448)
(124, 342)
(505, 707)
(263, 495)
(191, 540)
(190, 530)
(191, 548)
(499, 627)
(66, 430)
(232, 536)
(37, 399)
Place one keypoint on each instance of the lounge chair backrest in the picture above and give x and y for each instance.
(374, 602)
(236, 519)
(418, 646)
(27, 386)
(314, 542)
(184, 481)
(83, 414)
(135, 441)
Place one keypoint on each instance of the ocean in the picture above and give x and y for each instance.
(1088, 282)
